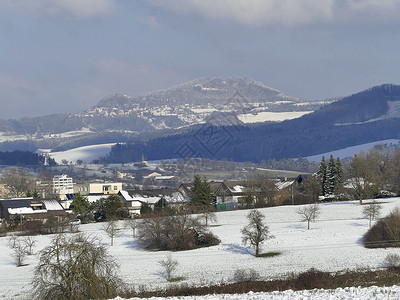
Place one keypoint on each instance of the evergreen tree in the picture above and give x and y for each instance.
(339, 174)
(80, 204)
(201, 191)
(322, 175)
(207, 197)
(331, 176)
(111, 205)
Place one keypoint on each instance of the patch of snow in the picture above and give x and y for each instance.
(271, 116)
(203, 110)
(350, 151)
(85, 153)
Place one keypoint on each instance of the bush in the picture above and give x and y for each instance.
(392, 261)
(311, 279)
(181, 232)
(385, 233)
(242, 275)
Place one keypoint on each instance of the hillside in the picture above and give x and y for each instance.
(121, 118)
(365, 117)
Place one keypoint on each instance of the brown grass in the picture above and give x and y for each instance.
(307, 280)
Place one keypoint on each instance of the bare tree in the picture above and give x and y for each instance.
(133, 224)
(75, 267)
(13, 240)
(29, 242)
(372, 211)
(360, 176)
(256, 232)
(169, 265)
(309, 213)
(209, 215)
(19, 253)
(18, 181)
(111, 228)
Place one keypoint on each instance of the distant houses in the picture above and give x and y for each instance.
(31, 209)
(226, 195)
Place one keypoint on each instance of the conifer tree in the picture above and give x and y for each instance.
(201, 192)
(339, 174)
(322, 175)
(331, 176)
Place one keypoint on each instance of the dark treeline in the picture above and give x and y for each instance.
(287, 139)
(341, 124)
(24, 158)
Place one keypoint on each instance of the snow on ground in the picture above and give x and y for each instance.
(86, 153)
(333, 243)
(370, 293)
(350, 151)
(267, 116)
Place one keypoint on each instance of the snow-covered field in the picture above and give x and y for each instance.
(350, 151)
(85, 153)
(267, 116)
(333, 243)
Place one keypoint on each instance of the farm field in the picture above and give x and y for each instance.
(333, 243)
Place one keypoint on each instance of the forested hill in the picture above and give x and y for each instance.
(368, 116)
(24, 158)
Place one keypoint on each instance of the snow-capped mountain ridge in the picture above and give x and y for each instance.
(184, 105)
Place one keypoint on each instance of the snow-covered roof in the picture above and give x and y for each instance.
(164, 177)
(94, 198)
(237, 189)
(283, 184)
(25, 211)
(126, 195)
(52, 205)
(149, 200)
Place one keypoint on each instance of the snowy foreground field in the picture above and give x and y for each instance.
(332, 244)
(371, 293)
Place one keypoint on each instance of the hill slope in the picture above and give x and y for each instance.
(122, 118)
(365, 117)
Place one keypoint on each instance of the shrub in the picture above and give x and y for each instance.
(242, 275)
(392, 261)
(311, 279)
(181, 232)
(385, 233)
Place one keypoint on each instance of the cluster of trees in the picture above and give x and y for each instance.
(331, 175)
(108, 208)
(21, 183)
(375, 173)
(24, 158)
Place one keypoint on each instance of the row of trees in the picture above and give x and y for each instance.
(331, 175)
(375, 173)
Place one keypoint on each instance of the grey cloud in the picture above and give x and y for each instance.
(74, 8)
(285, 12)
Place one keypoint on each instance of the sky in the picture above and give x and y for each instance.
(64, 56)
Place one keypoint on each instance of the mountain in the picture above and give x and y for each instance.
(121, 118)
(364, 117)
